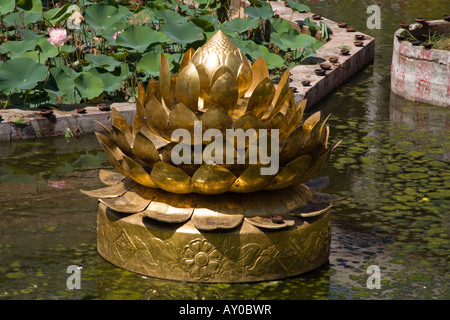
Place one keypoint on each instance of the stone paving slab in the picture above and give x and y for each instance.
(39, 126)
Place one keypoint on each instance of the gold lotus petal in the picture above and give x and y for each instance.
(169, 207)
(295, 140)
(311, 210)
(144, 149)
(251, 180)
(112, 191)
(296, 118)
(295, 196)
(211, 61)
(137, 124)
(129, 202)
(157, 118)
(318, 164)
(137, 173)
(267, 222)
(259, 73)
(140, 111)
(165, 82)
(248, 121)
(182, 117)
(119, 121)
(224, 92)
(212, 179)
(314, 137)
(324, 137)
(153, 90)
(205, 82)
(216, 117)
(188, 87)
(219, 72)
(110, 178)
(141, 94)
(114, 154)
(164, 212)
(290, 174)
(107, 132)
(281, 95)
(261, 98)
(170, 178)
(209, 216)
(311, 121)
(207, 220)
(121, 140)
(244, 78)
(186, 57)
(279, 122)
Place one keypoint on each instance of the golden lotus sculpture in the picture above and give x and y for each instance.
(214, 182)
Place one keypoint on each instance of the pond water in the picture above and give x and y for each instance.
(392, 164)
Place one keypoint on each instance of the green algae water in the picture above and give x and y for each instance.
(392, 165)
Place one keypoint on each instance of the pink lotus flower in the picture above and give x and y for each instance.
(57, 37)
(114, 36)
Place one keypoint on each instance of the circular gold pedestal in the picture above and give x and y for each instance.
(181, 252)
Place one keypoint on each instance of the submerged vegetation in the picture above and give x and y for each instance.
(69, 52)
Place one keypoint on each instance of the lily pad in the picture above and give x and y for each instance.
(16, 47)
(57, 15)
(140, 38)
(292, 40)
(262, 12)
(89, 85)
(102, 60)
(295, 6)
(182, 32)
(7, 6)
(33, 6)
(149, 63)
(21, 74)
(102, 16)
(239, 25)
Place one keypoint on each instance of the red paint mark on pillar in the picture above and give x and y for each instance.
(423, 87)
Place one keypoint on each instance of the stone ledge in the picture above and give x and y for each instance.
(320, 86)
(38, 126)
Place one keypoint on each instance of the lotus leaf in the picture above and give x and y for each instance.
(16, 47)
(33, 6)
(262, 12)
(7, 6)
(149, 63)
(295, 6)
(57, 15)
(19, 18)
(239, 25)
(112, 81)
(102, 60)
(140, 38)
(89, 85)
(102, 16)
(292, 40)
(182, 32)
(21, 74)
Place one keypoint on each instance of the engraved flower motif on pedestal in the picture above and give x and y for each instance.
(201, 260)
